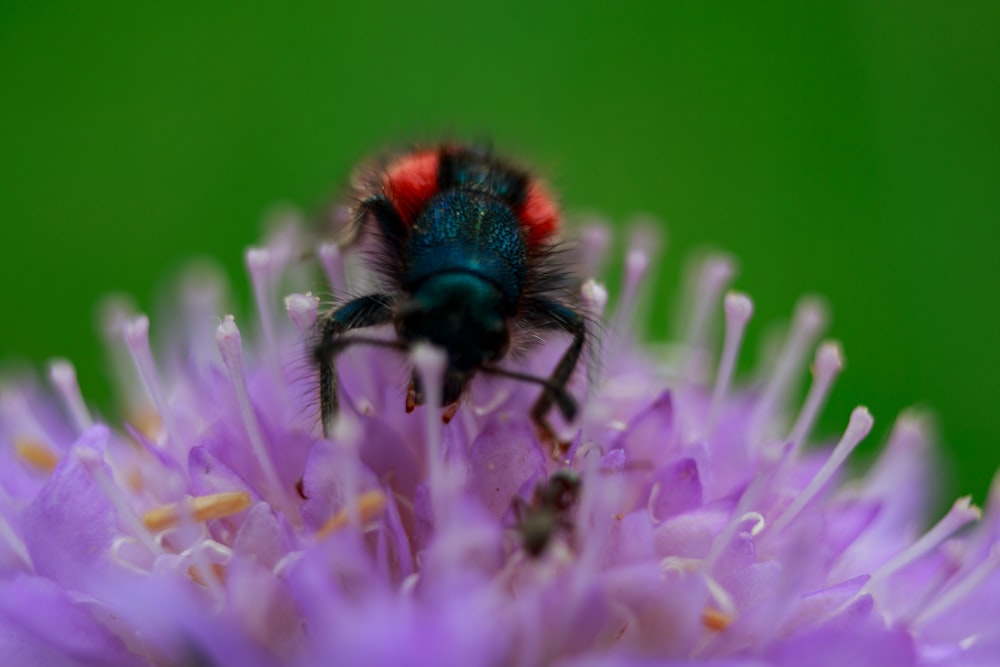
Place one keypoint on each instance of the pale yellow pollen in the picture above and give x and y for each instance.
(713, 619)
(134, 479)
(370, 504)
(147, 421)
(36, 454)
(200, 508)
(217, 569)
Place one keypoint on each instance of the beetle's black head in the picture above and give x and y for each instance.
(461, 313)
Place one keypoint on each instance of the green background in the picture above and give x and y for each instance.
(849, 149)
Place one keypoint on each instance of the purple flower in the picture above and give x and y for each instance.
(215, 526)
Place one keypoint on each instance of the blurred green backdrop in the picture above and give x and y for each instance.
(850, 149)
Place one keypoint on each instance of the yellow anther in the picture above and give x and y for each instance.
(713, 619)
(146, 421)
(369, 505)
(200, 508)
(134, 479)
(36, 454)
(217, 569)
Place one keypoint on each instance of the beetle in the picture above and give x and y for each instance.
(466, 249)
(548, 512)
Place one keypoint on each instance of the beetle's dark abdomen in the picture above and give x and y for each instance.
(467, 231)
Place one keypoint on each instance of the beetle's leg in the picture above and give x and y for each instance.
(366, 311)
(561, 318)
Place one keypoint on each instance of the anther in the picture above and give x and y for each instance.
(218, 571)
(369, 506)
(715, 620)
(36, 454)
(199, 508)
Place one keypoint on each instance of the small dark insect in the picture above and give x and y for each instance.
(465, 245)
(548, 512)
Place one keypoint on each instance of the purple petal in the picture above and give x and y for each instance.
(674, 489)
(41, 625)
(69, 527)
(858, 645)
(502, 459)
(650, 436)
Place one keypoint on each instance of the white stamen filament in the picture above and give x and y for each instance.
(204, 554)
(303, 310)
(739, 310)
(94, 464)
(259, 266)
(430, 365)
(203, 293)
(961, 513)
(636, 267)
(714, 275)
(227, 335)
(807, 324)
(595, 239)
(747, 501)
(969, 583)
(63, 377)
(137, 339)
(654, 495)
(858, 427)
(827, 365)
(115, 314)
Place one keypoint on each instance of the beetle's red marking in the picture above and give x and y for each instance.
(539, 215)
(410, 181)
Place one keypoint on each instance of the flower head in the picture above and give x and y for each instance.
(686, 523)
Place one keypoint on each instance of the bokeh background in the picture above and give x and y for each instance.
(850, 149)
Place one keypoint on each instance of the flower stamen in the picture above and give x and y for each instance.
(137, 338)
(827, 365)
(858, 427)
(303, 310)
(969, 583)
(36, 454)
(808, 322)
(739, 309)
(713, 619)
(369, 506)
(231, 346)
(259, 266)
(714, 275)
(63, 377)
(218, 571)
(961, 513)
(199, 508)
